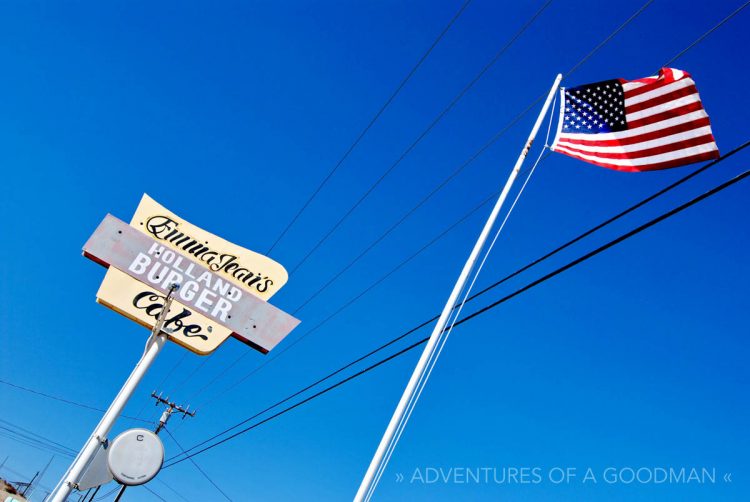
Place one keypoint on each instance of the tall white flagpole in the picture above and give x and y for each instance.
(370, 479)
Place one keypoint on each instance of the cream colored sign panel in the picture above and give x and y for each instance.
(253, 272)
(250, 319)
(141, 303)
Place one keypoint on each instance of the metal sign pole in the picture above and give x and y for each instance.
(153, 346)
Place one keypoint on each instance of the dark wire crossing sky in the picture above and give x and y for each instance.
(234, 115)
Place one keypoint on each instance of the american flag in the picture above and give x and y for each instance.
(638, 125)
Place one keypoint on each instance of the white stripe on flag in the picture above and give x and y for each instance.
(643, 161)
(664, 107)
(666, 89)
(608, 136)
(645, 145)
(629, 86)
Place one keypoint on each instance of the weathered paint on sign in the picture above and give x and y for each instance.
(208, 301)
(142, 304)
(200, 327)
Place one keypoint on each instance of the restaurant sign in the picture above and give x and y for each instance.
(222, 287)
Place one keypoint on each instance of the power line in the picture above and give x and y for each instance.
(343, 307)
(700, 39)
(471, 159)
(104, 496)
(348, 151)
(171, 489)
(152, 492)
(484, 309)
(18, 438)
(166, 377)
(24, 476)
(610, 37)
(350, 302)
(474, 156)
(370, 124)
(497, 136)
(171, 409)
(193, 372)
(63, 400)
(195, 464)
(424, 133)
(65, 450)
(607, 222)
(481, 150)
(439, 187)
(337, 384)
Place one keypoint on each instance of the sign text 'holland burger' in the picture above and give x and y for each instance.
(223, 287)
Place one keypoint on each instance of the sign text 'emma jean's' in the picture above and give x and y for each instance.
(165, 228)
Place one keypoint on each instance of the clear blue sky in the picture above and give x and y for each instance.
(230, 114)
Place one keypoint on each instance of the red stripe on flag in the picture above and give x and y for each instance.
(665, 77)
(660, 100)
(653, 167)
(669, 114)
(667, 131)
(637, 91)
(673, 129)
(648, 152)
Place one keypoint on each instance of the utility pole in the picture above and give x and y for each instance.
(38, 477)
(26, 486)
(171, 408)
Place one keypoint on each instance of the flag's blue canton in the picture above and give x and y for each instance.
(595, 108)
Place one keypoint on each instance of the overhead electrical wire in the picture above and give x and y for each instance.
(517, 272)
(439, 187)
(341, 308)
(361, 136)
(485, 147)
(158, 479)
(706, 34)
(198, 468)
(609, 37)
(38, 445)
(193, 372)
(370, 124)
(508, 126)
(66, 401)
(175, 460)
(38, 436)
(152, 492)
(164, 380)
(528, 286)
(403, 155)
(475, 155)
(104, 496)
(26, 477)
(424, 133)
(479, 152)
(444, 335)
(24, 436)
